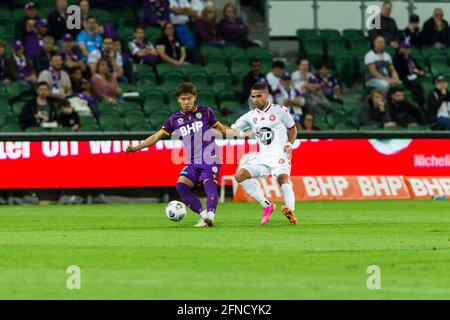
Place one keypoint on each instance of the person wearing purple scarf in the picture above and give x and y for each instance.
(22, 67)
(410, 72)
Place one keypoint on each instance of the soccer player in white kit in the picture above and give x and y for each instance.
(276, 132)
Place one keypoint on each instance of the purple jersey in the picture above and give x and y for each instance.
(195, 129)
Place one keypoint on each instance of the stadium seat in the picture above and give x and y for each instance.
(226, 95)
(369, 128)
(336, 46)
(106, 107)
(158, 118)
(114, 127)
(438, 65)
(8, 118)
(172, 76)
(214, 68)
(221, 77)
(152, 106)
(254, 52)
(109, 120)
(431, 51)
(90, 128)
(231, 51)
(168, 88)
(330, 33)
(344, 127)
(63, 129)
(102, 16)
(17, 88)
(131, 120)
(418, 128)
(87, 120)
(127, 106)
(216, 58)
(188, 69)
(313, 50)
(396, 128)
(352, 33)
(163, 68)
(344, 68)
(127, 87)
(142, 127)
(11, 127)
(152, 34)
(209, 50)
(239, 59)
(230, 105)
(17, 107)
(199, 78)
(36, 130)
(303, 34)
(206, 98)
(151, 93)
(336, 118)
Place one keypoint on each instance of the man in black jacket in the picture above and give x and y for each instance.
(436, 30)
(438, 105)
(404, 113)
(255, 75)
(38, 110)
(409, 71)
(388, 26)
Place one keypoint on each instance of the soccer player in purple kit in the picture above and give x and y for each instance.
(194, 124)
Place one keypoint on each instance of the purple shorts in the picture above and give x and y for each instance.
(198, 173)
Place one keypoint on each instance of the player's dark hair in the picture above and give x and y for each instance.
(278, 64)
(259, 86)
(64, 103)
(42, 83)
(186, 88)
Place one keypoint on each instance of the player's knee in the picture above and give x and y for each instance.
(282, 180)
(180, 187)
(239, 176)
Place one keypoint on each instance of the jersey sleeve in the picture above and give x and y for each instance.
(286, 118)
(212, 120)
(168, 128)
(241, 124)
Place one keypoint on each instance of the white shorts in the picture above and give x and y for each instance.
(258, 170)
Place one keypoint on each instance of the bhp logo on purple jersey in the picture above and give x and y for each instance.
(191, 128)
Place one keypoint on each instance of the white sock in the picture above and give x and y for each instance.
(211, 215)
(288, 195)
(204, 214)
(251, 189)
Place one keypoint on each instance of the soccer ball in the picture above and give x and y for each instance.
(176, 211)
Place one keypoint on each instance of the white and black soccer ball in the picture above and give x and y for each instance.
(176, 210)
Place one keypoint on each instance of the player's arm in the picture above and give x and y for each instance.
(154, 138)
(292, 135)
(228, 131)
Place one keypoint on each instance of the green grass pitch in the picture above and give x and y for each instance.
(135, 252)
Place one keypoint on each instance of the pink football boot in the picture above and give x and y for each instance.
(266, 213)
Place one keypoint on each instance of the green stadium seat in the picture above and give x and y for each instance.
(330, 33)
(17, 107)
(152, 106)
(313, 49)
(131, 120)
(438, 65)
(142, 127)
(336, 118)
(216, 58)
(303, 34)
(127, 87)
(17, 88)
(127, 106)
(199, 78)
(221, 77)
(239, 59)
(158, 118)
(36, 130)
(90, 128)
(108, 120)
(336, 46)
(369, 128)
(431, 51)
(231, 51)
(63, 129)
(209, 50)
(396, 128)
(85, 120)
(418, 128)
(352, 33)
(105, 107)
(114, 127)
(102, 16)
(11, 127)
(226, 95)
(8, 118)
(172, 76)
(206, 98)
(188, 69)
(214, 68)
(163, 68)
(344, 68)
(168, 88)
(230, 105)
(344, 127)
(255, 52)
(152, 33)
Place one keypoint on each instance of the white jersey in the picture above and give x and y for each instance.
(270, 125)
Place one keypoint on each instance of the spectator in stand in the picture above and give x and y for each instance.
(6, 66)
(143, 51)
(76, 77)
(287, 95)
(401, 111)
(57, 20)
(302, 74)
(71, 60)
(181, 13)
(438, 105)
(84, 9)
(436, 31)
(329, 85)
(199, 5)
(233, 29)
(104, 84)
(36, 32)
(31, 13)
(156, 13)
(108, 53)
(374, 112)
(68, 117)
(307, 123)
(316, 102)
(254, 76)
(42, 59)
(207, 29)
(83, 99)
(90, 39)
(273, 77)
(57, 79)
(39, 110)
(127, 61)
(412, 33)
(19, 67)
(381, 73)
(410, 72)
(169, 46)
(388, 27)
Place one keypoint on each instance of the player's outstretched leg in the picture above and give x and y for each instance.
(212, 199)
(191, 200)
(242, 176)
(289, 198)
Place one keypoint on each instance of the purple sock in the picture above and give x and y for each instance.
(212, 196)
(188, 198)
